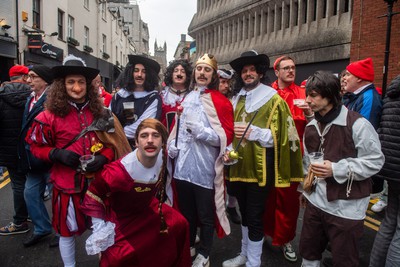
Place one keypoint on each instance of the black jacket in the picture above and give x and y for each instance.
(389, 132)
(12, 102)
(27, 161)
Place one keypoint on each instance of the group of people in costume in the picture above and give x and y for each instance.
(161, 162)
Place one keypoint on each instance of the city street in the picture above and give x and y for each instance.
(13, 253)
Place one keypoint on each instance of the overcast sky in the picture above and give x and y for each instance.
(167, 20)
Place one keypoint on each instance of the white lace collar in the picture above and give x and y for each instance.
(255, 98)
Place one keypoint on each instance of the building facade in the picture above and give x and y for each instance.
(45, 31)
(318, 34)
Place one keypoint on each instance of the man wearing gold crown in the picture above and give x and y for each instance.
(205, 130)
(269, 151)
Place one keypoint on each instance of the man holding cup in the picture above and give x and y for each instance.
(59, 135)
(268, 147)
(138, 98)
(335, 209)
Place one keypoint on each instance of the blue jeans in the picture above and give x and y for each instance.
(18, 179)
(34, 189)
(386, 249)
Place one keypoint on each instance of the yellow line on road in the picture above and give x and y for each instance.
(4, 183)
(372, 226)
(6, 179)
(372, 220)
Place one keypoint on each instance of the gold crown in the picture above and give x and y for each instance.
(209, 60)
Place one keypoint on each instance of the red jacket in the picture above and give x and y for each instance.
(288, 94)
(50, 131)
(106, 97)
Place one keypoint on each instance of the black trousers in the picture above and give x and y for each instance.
(251, 198)
(197, 205)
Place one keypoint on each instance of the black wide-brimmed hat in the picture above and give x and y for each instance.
(249, 58)
(147, 62)
(74, 65)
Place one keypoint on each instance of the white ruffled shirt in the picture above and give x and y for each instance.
(255, 99)
(197, 156)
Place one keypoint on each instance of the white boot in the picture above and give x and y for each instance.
(240, 259)
(67, 250)
(254, 251)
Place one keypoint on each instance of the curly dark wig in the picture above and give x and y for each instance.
(170, 70)
(125, 79)
(238, 83)
(214, 84)
(57, 99)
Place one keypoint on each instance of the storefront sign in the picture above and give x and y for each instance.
(34, 41)
(47, 50)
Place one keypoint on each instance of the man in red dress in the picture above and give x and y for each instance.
(140, 230)
(177, 81)
(282, 207)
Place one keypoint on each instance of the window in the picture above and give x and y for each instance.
(36, 14)
(295, 14)
(104, 43)
(86, 35)
(346, 6)
(324, 8)
(60, 21)
(71, 22)
(86, 4)
(305, 11)
(103, 10)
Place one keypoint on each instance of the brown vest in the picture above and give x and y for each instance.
(338, 144)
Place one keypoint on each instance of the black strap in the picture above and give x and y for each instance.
(79, 135)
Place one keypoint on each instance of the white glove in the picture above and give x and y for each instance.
(102, 237)
(195, 128)
(172, 150)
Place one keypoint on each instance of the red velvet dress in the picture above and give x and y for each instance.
(282, 208)
(115, 196)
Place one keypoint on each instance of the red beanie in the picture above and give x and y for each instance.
(18, 70)
(362, 69)
(277, 61)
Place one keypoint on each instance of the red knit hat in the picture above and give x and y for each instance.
(18, 70)
(277, 61)
(363, 69)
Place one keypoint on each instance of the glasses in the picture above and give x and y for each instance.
(289, 68)
(32, 77)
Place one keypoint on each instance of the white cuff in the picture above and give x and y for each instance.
(262, 135)
(102, 237)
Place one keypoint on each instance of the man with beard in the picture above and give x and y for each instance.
(206, 129)
(138, 97)
(283, 205)
(269, 154)
(177, 81)
(61, 135)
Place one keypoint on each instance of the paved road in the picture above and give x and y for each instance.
(13, 253)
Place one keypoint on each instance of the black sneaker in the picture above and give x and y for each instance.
(13, 229)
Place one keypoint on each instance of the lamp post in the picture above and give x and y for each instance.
(389, 16)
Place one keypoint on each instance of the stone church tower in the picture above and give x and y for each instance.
(160, 55)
